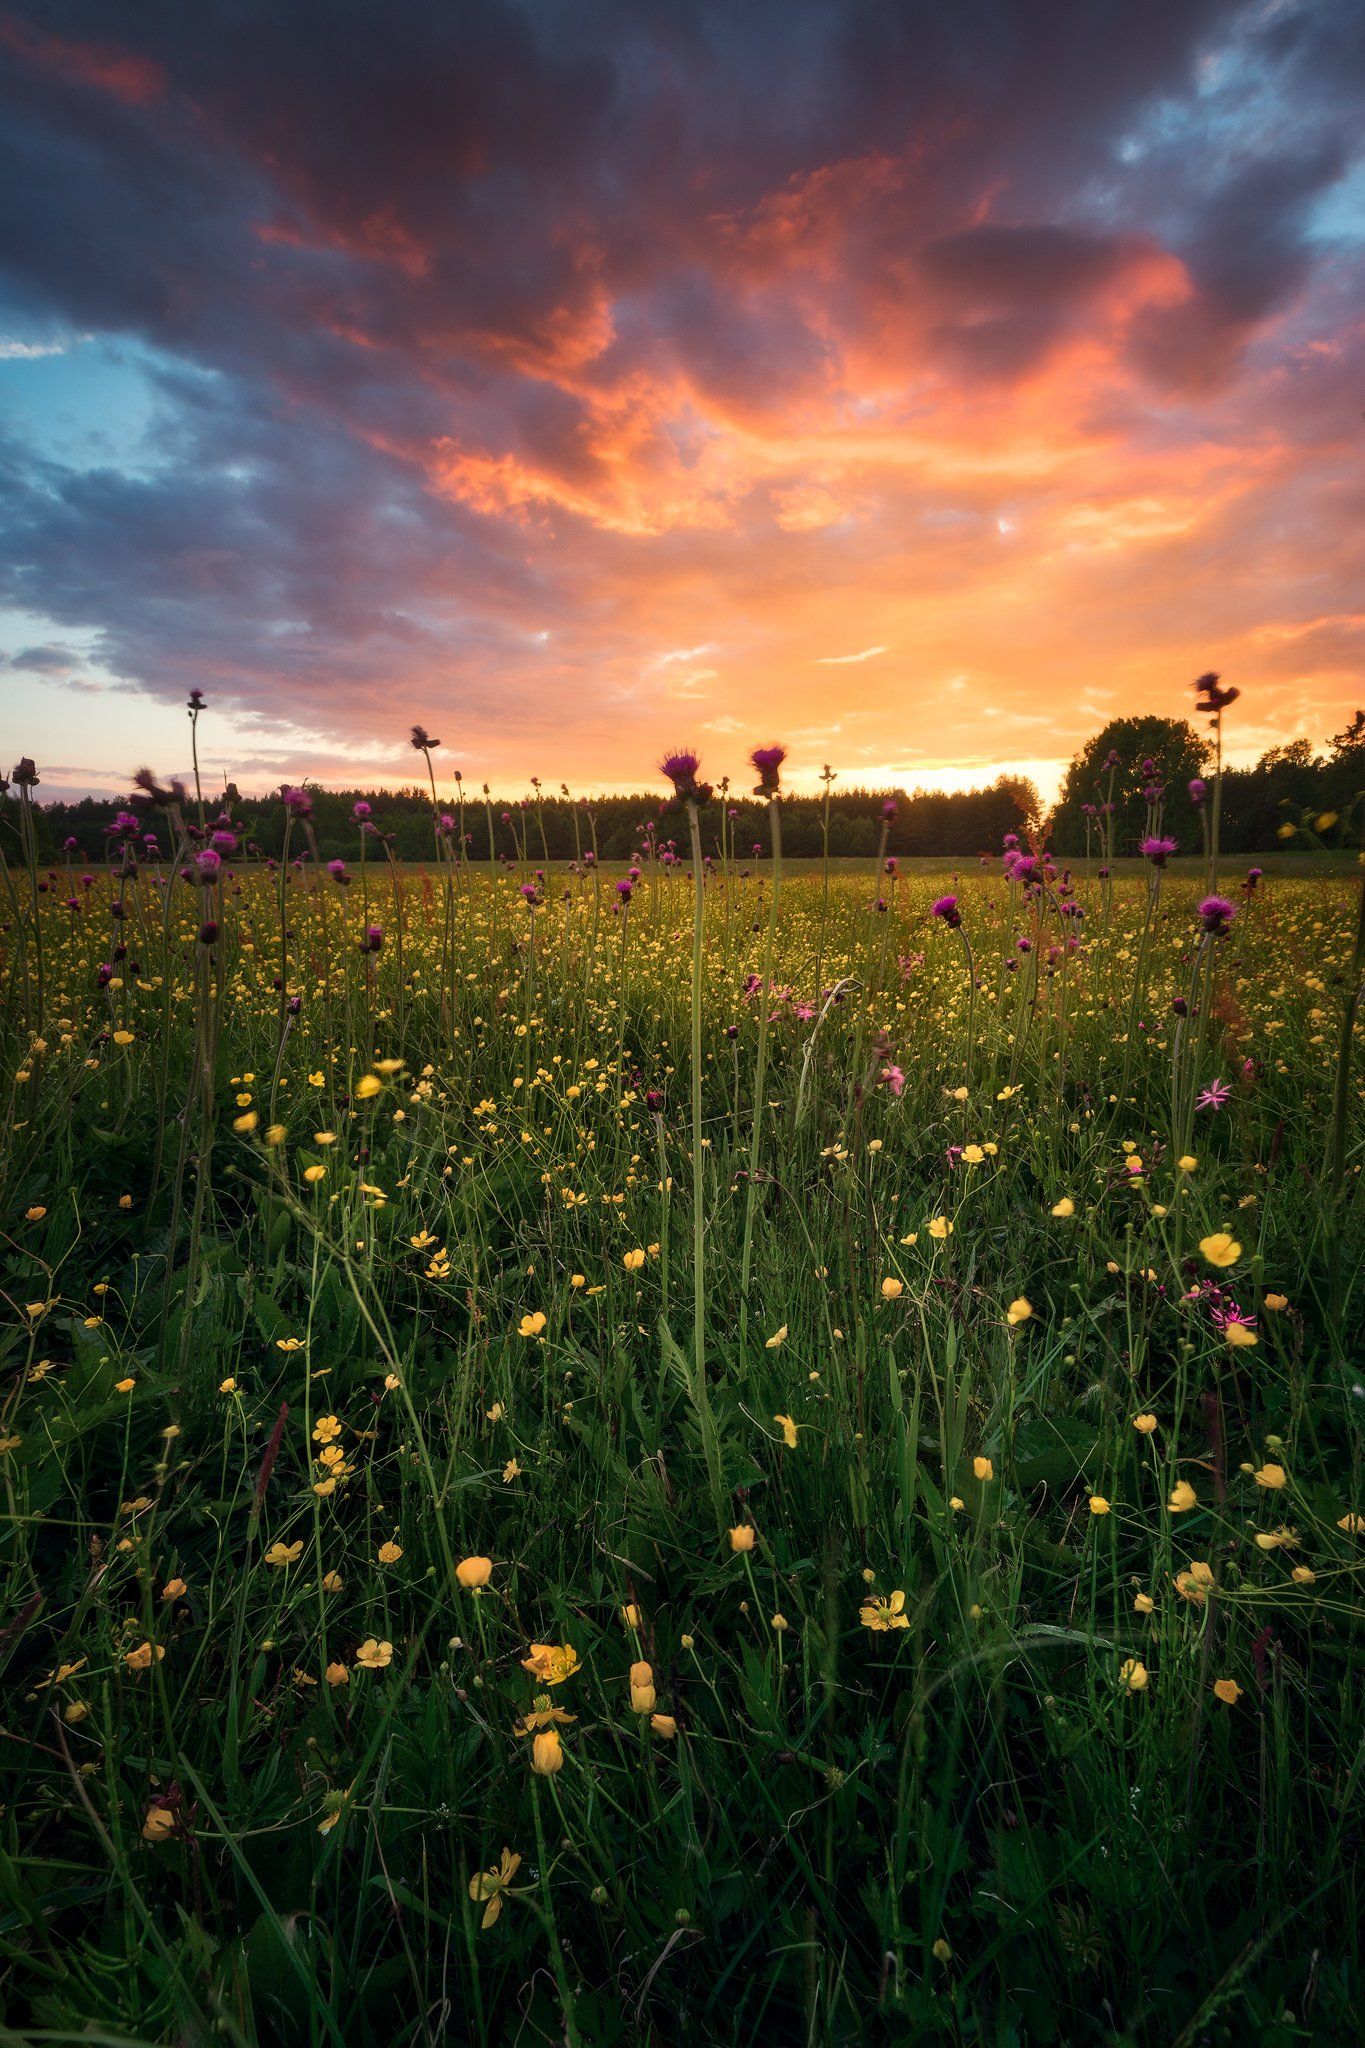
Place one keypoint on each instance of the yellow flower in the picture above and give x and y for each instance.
(663, 1726)
(1239, 1336)
(1325, 821)
(630, 1615)
(881, 1615)
(1221, 1249)
(1228, 1691)
(1098, 1504)
(1133, 1674)
(742, 1536)
(1144, 1424)
(367, 1087)
(1143, 1603)
(474, 1572)
(173, 1589)
(1272, 1477)
(158, 1824)
(35, 1214)
(983, 1468)
(227, 1386)
(788, 1430)
(326, 1429)
(374, 1656)
(313, 1174)
(1277, 1301)
(547, 1753)
(389, 1553)
(1354, 1525)
(1283, 1538)
(510, 1471)
(531, 1325)
(140, 1659)
(1183, 1497)
(1196, 1584)
(1066, 1207)
(337, 1674)
(892, 1289)
(1019, 1310)
(780, 1623)
(552, 1663)
(940, 1227)
(942, 1951)
(778, 1338)
(1302, 1576)
(488, 1886)
(284, 1553)
(633, 1260)
(643, 1698)
(124, 1386)
(246, 1123)
(123, 1038)
(972, 1155)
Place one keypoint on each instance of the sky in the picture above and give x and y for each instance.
(916, 385)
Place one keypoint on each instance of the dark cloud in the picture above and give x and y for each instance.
(47, 660)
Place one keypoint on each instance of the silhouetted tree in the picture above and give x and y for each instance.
(1178, 753)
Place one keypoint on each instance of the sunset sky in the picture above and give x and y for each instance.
(919, 385)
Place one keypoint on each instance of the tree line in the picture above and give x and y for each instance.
(1128, 757)
(545, 827)
(1259, 804)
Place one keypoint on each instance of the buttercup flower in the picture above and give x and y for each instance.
(883, 1614)
(551, 1663)
(488, 1886)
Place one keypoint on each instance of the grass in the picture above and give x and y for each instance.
(313, 1308)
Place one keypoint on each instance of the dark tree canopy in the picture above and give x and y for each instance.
(1178, 753)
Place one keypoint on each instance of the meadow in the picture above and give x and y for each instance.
(677, 1454)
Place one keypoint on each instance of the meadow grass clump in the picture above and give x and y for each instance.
(594, 1457)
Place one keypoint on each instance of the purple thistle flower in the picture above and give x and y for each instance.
(681, 769)
(946, 908)
(1157, 851)
(767, 762)
(297, 802)
(1216, 914)
(1199, 789)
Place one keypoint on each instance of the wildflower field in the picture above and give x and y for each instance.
(679, 1454)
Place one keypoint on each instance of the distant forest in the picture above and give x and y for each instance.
(1288, 784)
